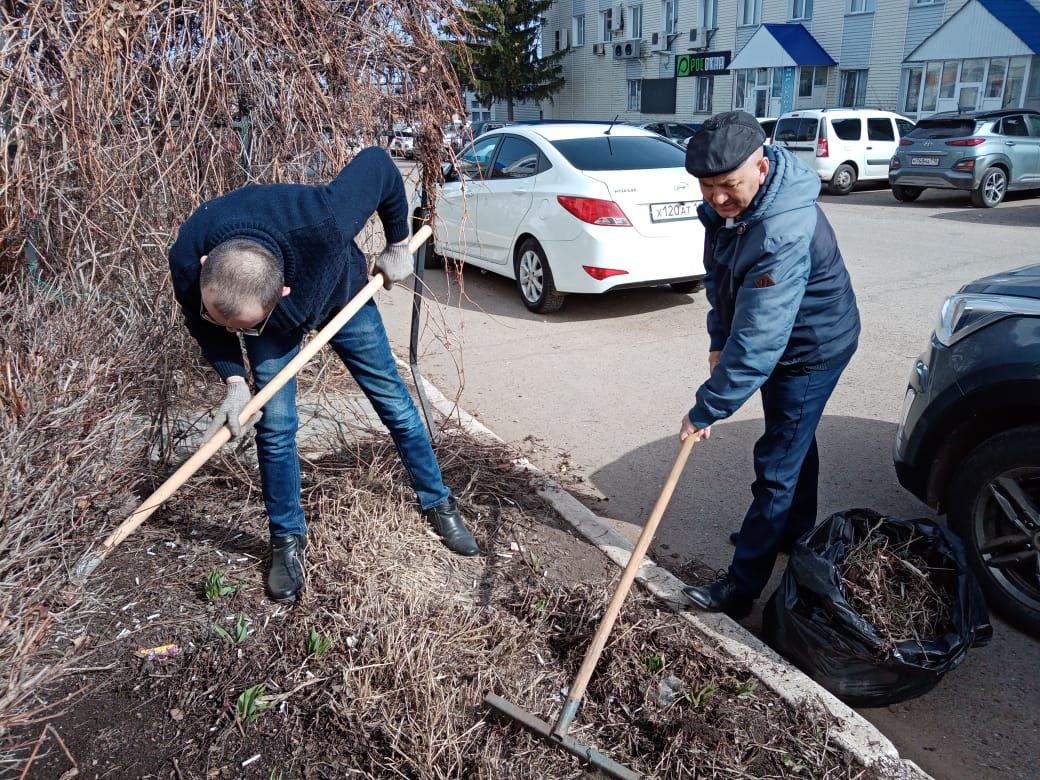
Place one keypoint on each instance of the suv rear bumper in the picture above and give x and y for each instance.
(948, 179)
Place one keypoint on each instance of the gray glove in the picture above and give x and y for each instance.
(230, 410)
(396, 263)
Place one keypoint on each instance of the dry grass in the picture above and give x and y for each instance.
(897, 591)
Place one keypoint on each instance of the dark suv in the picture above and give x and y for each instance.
(968, 441)
(986, 152)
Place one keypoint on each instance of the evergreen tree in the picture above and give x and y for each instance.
(502, 52)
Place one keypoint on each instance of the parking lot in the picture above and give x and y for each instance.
(599, 388)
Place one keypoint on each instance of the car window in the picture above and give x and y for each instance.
(943, 128)
(474, 159)
(516, 159)
(880, 129)
(796, 129)
(768, 126)
(1013, 125)
(680, 131)
(656, 128)
(621, 153)
(848, 129)
(904, 127)
(1033, 122)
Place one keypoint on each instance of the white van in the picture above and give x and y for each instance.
(843, 145)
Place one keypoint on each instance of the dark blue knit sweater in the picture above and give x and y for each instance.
(309, 229)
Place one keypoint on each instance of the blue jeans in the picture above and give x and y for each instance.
(363, 347)
(787, 467)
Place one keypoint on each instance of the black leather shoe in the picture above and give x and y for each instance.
(447, 522)
(285, 579)
(720, 596)
(785, 547)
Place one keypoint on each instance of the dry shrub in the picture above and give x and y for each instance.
(116, 121)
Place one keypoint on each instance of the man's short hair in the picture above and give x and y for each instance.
(239, 272)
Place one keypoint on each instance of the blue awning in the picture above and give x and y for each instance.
(1019, 17)
(781, 46)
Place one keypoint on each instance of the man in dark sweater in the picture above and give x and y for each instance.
(783, 320)
(271, 262)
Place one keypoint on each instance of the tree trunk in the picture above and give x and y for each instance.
(509, 109)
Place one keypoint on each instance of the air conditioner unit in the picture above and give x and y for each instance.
(599, 48)
(627, 50)
(653, 38)
(701, 36)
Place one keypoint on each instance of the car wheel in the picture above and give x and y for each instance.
(692, 286)
(843, 180)
(991, 190)
(906, 194)
(534, 280)
(993, 506)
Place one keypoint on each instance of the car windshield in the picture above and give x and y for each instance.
(943, 128)
(621, 153)
(796, 129)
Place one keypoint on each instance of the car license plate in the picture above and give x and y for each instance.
(666, 212)
(924, 160)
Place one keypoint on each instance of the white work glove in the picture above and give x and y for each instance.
(396, 264)
(229, 412)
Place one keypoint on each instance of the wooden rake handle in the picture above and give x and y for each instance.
(256, 403)
(581, 681)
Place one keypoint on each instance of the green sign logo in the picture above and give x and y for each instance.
(712, 64)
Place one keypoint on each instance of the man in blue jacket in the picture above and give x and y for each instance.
(272, 262)
(783, 320)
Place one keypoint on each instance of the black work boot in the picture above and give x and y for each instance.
(721, 596)
(447, 522)
(285, 579)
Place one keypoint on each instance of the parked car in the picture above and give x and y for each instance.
(568, 208)
(968, 441)
(768, 126)
(402, 144)
(986, 152)
(487, 126)
(676, 131)
(843, 145)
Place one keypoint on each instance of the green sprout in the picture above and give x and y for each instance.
(237, 635)
(251, 703)
(218, 587)
(653, 662)
(793, 764)
(541, 605)
(746, 689)
(317, 644)
(700, 696)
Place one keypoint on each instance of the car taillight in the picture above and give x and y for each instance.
(894, 164)
(905, 142)
(600, 274)
(595, 211)
(964, 165)
(822, 150)
(966, 142)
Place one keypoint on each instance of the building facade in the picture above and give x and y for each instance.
(688, 59)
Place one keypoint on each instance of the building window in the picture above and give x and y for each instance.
(635, 21)
(805, 82)
(820, 79)
(948, 83)
(635, 91)
(556, 41)
(931, 86)
(705, 91)
(854, 88)
(671, 16)
(749, 12)
(861, 6)
(711, 14)
(913, 90)
(997, 74)
(1015, 79)
(578, 30)
(801, 9)
(924, 2)
(608, 23)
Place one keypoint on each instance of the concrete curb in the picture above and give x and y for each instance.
(850, 730)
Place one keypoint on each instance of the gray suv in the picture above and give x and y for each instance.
(968, 441)
(986, 152)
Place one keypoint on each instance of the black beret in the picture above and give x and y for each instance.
(723, 143)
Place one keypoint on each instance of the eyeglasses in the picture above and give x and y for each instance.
(244, 331)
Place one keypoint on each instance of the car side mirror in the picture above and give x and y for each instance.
(448, 172)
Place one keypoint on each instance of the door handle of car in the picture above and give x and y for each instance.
(1009, 143)
(870, 147)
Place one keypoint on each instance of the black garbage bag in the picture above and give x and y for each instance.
(809, 620)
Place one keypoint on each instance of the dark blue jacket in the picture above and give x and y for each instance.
(309, 229)
(778, 288)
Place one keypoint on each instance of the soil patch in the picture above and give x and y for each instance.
(381, 668)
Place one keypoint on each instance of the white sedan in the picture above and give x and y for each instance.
(572, 208)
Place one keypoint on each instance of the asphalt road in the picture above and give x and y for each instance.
(602, 386)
